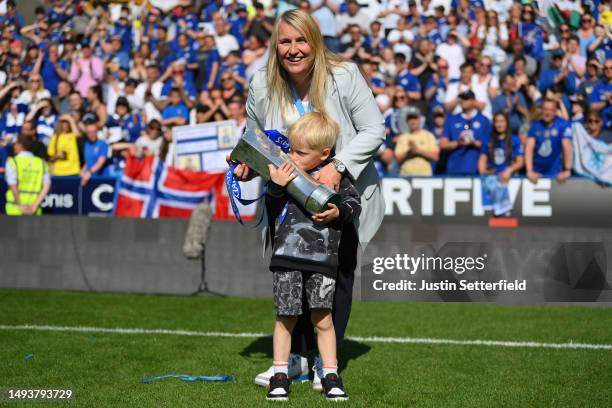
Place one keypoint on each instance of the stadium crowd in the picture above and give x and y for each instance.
(467, 87)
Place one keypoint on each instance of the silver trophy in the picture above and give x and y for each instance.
(257, 151)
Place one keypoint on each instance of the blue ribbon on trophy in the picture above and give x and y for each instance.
(233, 186)
(259, 149)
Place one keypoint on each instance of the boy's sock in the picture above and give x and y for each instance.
(281, 367)
(330, 370)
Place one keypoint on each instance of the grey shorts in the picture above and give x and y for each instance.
(289, 286)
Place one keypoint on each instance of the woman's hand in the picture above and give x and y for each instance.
(563, 176)
(329, 176)
(242, 171)
(505, 175)
(282, 175)
(533, 176)
(327, 216)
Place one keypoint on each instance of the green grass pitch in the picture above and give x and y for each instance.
(107, 369)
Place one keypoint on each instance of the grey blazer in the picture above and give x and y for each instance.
(351, 103)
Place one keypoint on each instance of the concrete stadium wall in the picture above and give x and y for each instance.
(124, 255)
(145, 256)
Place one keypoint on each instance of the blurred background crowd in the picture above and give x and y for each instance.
(463, 84)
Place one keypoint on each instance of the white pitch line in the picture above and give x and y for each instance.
(374, 339)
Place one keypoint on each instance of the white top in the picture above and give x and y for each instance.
(390, 21)
(29, 98)
(225, 44)
(396, 35)
(153, 145)
(454, 55)
(481, 90)
(453, 91)
(150, 110)
(291, 115)
(361, 19)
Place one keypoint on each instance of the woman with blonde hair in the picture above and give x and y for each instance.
(35, 91)
(302, 76)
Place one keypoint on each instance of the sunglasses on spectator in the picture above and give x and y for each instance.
(564, 30)
(443, 66)
(607, 67)
(226, 78)
(400, 98)
(594, 121)
(34, 80)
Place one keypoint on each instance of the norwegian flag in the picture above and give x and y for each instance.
(151, 189)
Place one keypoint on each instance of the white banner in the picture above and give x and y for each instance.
(591, 157)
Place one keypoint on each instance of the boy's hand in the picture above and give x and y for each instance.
(283, 175)
(327, 216)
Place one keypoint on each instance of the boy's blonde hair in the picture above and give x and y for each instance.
(314, 130)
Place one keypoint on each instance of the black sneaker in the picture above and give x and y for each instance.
(279, 387)
(332, 388)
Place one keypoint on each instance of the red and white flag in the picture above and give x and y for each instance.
(151, 189)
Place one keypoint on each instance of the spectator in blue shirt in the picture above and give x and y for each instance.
(95, 151)
(123, 124)
(31, 56)
(179, 80)
(407, 81)
(376, 41)
(377, 82)
(123, 28)
(502, 152)
(11, 122)
(594, 125)
(591, 80)
(209, 60)
(238, 22)
(463, 136)
(176, 112)
(11, 17)
(45, 116)
(186, 20)
(601, 97)
(120, 57)
(435, 89)
(52, 70)
(557, 74)
(210, 9)
(531, 33)
(3, 157)
(548, 151)
(414, 18)
(234, 66)
(356, 48)
(430, 29)
(512, 103)
(185, 52)
(59, 13)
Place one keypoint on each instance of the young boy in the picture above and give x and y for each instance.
(305, 252)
